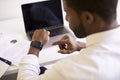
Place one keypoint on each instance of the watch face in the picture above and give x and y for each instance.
(37, 44)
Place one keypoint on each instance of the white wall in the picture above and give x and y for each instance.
(118, 12)
(12, 8)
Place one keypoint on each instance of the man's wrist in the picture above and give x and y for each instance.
(34, 51)
(35, 47)
(80, 45)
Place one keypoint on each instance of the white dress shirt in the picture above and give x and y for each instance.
(100, 60)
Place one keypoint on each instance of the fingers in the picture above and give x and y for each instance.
(64, 40)
(56, 43)
(48, 33)
(64, 51)
(65, 37)
(65, 45)
(42, 31)
(65, 48)
(59, 43)
(62, 46)
(41, 35)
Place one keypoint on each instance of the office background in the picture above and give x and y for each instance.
(10, 9)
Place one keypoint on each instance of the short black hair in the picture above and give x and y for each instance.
(106, 9)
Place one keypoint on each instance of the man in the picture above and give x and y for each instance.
(98, 60)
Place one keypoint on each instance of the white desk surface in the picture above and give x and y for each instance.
(13, 26)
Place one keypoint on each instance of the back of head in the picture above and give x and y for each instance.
(106, 9)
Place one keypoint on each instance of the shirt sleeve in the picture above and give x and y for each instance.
(29, 68)
(76, 67)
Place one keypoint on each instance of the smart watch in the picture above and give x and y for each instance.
(37, 44)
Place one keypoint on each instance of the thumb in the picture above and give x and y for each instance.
(64, 51)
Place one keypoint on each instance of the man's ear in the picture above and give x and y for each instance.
(87, 18)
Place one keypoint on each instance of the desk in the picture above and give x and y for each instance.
(13, 26)
(16, 27)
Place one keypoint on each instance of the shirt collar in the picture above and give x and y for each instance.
(102, 37)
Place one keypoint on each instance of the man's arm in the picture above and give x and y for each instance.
(29, 66)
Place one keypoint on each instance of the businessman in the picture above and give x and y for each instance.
(98, 59)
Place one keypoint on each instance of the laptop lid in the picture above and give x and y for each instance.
(43, 14)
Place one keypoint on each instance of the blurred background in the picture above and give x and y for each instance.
(10, 9)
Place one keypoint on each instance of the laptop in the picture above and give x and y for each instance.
(44, 15)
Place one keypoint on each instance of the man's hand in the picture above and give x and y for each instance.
(39, 35)
(68, 45)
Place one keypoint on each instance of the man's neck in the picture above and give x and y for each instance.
(113, 25)
(103, 27)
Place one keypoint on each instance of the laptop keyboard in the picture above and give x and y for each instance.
(57, 31)
(53, 32)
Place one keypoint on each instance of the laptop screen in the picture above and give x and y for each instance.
(42, 14)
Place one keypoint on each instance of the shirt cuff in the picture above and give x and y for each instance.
(30, 59)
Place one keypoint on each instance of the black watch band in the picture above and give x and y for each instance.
(37, 44)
